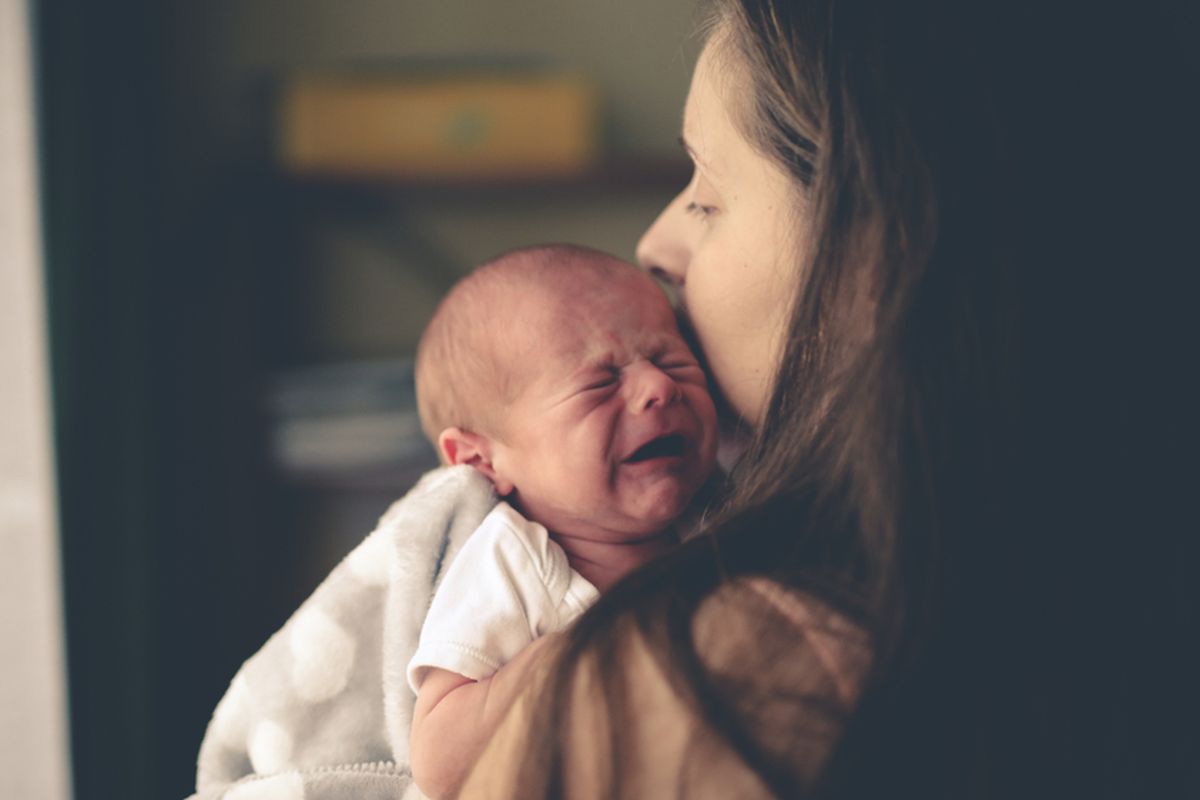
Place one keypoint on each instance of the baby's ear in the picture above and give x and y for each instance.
(459, 446)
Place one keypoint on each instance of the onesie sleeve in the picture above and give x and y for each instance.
(505, 588)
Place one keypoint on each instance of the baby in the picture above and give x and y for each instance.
(559, 373)
(556, 377)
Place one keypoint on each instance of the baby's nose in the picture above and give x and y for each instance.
(651, 388)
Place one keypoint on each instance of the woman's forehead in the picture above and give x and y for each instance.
(709, 133)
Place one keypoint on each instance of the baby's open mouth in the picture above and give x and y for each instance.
(663, 447)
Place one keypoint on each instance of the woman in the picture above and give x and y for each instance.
(931, 257)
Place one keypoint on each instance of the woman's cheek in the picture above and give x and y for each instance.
(714, 307)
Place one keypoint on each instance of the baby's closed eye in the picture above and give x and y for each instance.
(601, 380)
(680, 366)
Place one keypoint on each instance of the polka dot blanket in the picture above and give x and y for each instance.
(323, 710)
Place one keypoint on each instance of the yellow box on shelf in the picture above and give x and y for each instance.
(430, 128)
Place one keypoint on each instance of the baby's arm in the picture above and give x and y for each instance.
(455, 717)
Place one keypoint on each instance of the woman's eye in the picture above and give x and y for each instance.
(699, 209)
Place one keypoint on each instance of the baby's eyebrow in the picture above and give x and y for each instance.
(652, 349)
(592, 364)
(664, 341)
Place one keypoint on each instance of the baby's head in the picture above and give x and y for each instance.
(559, 372)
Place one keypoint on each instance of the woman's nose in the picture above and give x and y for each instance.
(664, 250)
(650, 387)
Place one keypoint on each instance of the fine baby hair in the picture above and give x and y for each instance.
(465, 370)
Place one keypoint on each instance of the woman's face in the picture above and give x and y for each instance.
(729, 242)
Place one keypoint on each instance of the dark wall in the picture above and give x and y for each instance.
(158, 331)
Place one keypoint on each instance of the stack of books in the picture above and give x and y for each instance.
(349, 424)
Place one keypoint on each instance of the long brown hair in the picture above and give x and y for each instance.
(974, 442)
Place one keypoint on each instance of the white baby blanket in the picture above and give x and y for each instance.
(323, 710)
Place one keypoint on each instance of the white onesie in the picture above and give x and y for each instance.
(508, 585)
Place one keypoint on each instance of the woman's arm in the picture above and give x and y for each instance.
(455, 717)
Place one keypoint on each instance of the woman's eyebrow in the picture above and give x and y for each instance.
(694, 156)
(691, 151)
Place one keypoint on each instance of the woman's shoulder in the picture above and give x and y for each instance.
(785, 634)
(782, 671)
(784, 667)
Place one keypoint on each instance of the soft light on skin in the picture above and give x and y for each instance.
(728, 243)
(610, 372)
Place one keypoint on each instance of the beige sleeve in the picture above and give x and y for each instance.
(661, 747)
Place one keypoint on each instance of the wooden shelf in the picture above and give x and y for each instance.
(615, 176)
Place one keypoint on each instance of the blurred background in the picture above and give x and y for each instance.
(248, 209)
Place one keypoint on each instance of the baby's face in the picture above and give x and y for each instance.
(614, 430)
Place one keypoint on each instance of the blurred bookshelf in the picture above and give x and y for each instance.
(349, 424)
(387, 187)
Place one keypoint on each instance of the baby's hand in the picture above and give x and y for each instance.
(456, 716)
